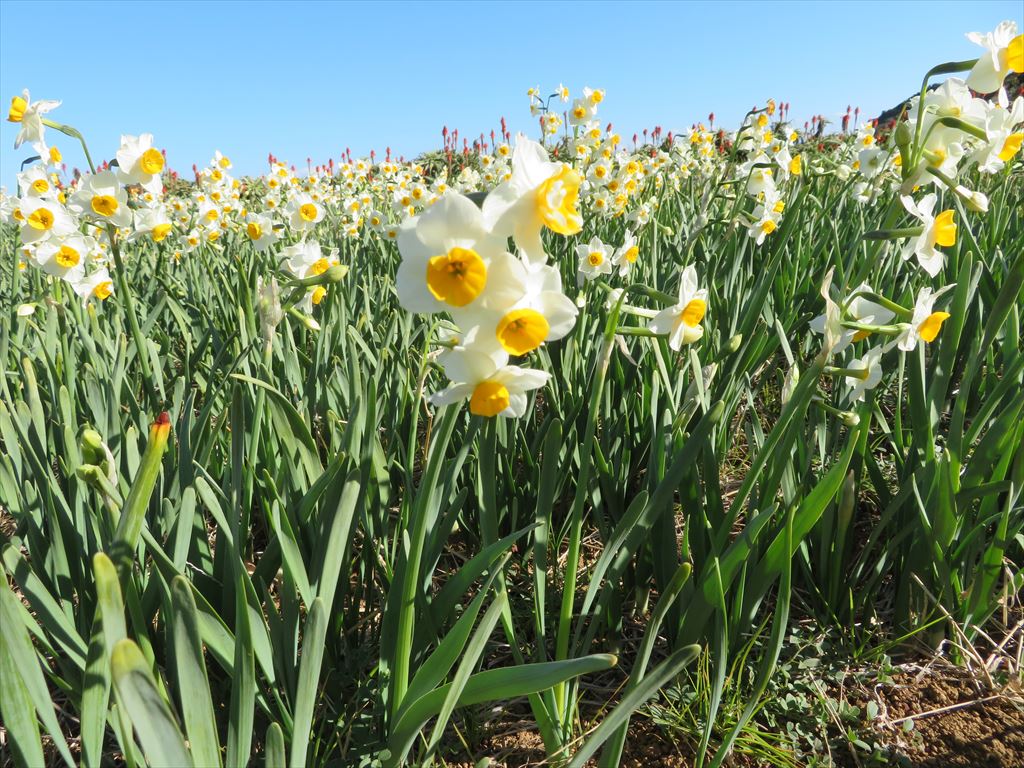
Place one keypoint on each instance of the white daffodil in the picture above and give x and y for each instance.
(139, 162)
(594, 96)
(30, 115)
(450, 259)
(595, 258)
(153, 222)
(761, 178)
(306, 259)
(858, 309)
(220, 161)
(1003, 129)
(872, 161)
(627, 253)
(925, 324)
(1004, 53)
(101, 198)
(36, 182)
(542, 313)
(492, 387)
(681, 322)
(41, 218)
(539, 194)
(936, 230)
(766, 218)
(65, 257)
(869, 373)
(98, 285)
(581, 111)
(259, 228)
(303, 213)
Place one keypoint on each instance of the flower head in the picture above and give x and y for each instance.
(681, 322)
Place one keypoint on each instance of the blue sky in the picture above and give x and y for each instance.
(310, 79)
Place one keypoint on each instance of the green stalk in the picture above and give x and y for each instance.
(576, 513)
(411, 572)
(133, 321)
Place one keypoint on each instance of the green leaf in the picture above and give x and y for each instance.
(21, 658)
(493, 685)
(147, 709)
(274, 748)
(314, 634)
(15, 702)
(193, 685)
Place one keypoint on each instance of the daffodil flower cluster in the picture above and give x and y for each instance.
(455, 260)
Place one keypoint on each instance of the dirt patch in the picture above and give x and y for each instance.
(521, 747)
(954, 724)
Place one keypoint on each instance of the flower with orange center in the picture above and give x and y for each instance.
(489, 398)
(935, 231)
(29, 114)
(539, 194)
(925, 323)
(448, 258)
(522, 330)
(1004, 53)
(682, 321)
(492, 387)
(457, 277)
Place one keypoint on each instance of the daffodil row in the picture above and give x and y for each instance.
(68, 224)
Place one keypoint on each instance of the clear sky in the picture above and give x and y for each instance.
(310, 79)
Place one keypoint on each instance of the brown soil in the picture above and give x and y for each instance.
(521, 747)
(955, 725)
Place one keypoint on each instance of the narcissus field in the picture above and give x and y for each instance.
(701, 448)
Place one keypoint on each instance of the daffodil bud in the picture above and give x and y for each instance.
(90, 473)
(25, 310)
(328, 276)
(93, 451)
(903, 136)
(666, 230)
(975, 201)
(269, 308)
(133, 516)
(733, 344)
(849, 418)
